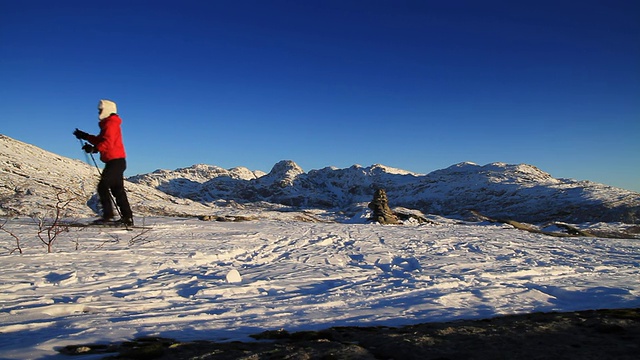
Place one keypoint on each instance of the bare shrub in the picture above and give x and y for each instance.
(18, 248)
(140, 238)
(48, 231)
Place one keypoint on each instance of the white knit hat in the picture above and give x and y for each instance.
(106, 107)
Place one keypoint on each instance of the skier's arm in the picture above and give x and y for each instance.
(93, 139)
(106, 138)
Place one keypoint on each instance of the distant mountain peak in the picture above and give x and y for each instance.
(286, 169)
(389, 170)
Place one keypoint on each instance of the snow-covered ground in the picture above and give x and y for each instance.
(179, 279)
(190, 279)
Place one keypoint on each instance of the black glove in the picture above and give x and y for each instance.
(80, 134)
(88, 148)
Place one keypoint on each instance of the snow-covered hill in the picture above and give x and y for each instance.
(32, 179)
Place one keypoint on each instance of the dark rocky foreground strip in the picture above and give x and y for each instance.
(597, 334)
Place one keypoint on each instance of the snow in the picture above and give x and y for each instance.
(189, 279)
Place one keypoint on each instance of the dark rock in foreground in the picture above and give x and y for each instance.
(584, 335)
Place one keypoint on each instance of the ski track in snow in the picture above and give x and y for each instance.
(297, 276)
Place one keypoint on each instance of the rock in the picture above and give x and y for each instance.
(411, 215)
(381, 211)
(226, 218)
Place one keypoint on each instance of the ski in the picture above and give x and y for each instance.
(112, 225)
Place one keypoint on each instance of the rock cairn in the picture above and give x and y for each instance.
(381, 211)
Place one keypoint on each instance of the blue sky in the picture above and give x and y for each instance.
(417, 85)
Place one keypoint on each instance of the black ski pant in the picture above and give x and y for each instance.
(112, 179)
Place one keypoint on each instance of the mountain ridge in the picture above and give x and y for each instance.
(516, 191)
(523, 192)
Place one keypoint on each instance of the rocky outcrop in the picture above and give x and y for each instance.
(381, 211)
(602, 334)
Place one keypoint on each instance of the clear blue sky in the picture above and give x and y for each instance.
(417, 85)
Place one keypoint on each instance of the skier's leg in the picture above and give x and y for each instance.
(105, 197)
(118, 191)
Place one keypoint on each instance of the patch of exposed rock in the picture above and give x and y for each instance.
(584, 335)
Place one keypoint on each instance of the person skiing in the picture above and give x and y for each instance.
(109, 144)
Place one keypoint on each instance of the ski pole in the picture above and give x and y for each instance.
(95, 163)
(86, 156)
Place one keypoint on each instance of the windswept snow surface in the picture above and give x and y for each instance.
(188, 279)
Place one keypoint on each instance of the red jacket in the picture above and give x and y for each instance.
(109, 141)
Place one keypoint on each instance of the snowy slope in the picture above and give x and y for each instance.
(103, 286)
(32, 179)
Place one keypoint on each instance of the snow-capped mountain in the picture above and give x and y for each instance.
(189, 182)
(522, 192)
(33, 178)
